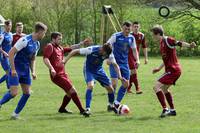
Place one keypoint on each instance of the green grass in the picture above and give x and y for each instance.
(40, 115)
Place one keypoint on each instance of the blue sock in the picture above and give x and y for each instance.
(121, 93)
(111, 97)
(6, 98)
(2, 79)
(88, 98)
(7, 83)
(21, 103)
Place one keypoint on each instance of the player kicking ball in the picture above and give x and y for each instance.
(53, 59)
(121, 43)
(22, 60)
(93, 70)
(172, 69)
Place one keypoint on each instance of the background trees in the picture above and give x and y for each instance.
(78, 19)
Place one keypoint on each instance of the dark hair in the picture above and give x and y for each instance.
(158, 29)
(127, 24)
(54, 35)
(107, 48)
(7, 22)
(39, 26)
(136, 22)
(19, 24)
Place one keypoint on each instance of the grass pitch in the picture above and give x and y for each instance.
(40, 114)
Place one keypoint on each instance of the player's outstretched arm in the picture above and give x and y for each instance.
(71, 54)
(11, 54)
(188, 45)
(86, 42)
(155, 70)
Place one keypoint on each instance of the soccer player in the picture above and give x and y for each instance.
(19, 32)
(93, 70)
(172, 69)
(121, 43)
(53, 59)
(22, 60)
(6, 46)
(140, 40)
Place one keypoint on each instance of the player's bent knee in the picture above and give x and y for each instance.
(125, 84)
(110, 89)
(90, 87)
(72, 90)
(14, 93)
(156, 89)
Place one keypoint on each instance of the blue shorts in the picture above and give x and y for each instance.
(99, 75)
(5, 63)
(125, 72)
(21, 78)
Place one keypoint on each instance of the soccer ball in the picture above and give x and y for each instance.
(123, 110)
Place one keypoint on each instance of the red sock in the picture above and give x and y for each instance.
(77, 101)
(66, 100)
(135, 81)
(161, 98)
(169, 99)
(130, 82)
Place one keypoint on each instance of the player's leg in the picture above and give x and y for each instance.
(88, 95)
(64, 82)
(89, 79)
(103, 79)
(169, 98)
(65, 102)
(6, 67)
(111, 97)
(158, 88)
(134, 79)
(23, 100)
(14, 82)
(11, 93)
(122, 90)
(114, 77)
(167, 80)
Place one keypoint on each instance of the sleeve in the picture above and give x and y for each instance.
(172, 42)
(133, 43)
(112, 39)
(86, 51)
(144, 44)
(48, 50)
(20, 44)
(112, 58)
(1, 39)
(67, 50)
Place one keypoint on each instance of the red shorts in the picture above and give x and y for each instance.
(169, 78)
(63, 81)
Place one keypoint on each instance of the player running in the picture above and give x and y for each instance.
(53, 59)
(172, 69)
(6, 46)
(140, 40)
(121, 43)
(22, 59)
(19, 32)
(93, 70)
